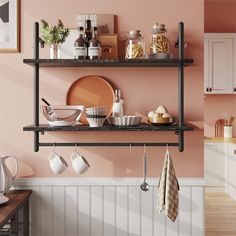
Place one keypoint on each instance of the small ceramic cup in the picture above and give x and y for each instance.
(79, 163)
(57, 163)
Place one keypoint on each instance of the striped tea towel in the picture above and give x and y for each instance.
(168, 190)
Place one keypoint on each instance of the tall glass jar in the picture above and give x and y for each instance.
(159, 40)
(135, 45)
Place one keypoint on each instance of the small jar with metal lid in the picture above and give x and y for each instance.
(159, 41)
(135, 45)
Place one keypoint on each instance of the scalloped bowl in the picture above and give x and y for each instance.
(125, 120)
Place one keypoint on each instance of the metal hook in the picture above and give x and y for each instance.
(76, 145)
(54, 147)
(167, 147)
(145, 148)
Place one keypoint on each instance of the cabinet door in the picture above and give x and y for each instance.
(206, 65)
(220, 66)
(231, 170)
(214, 164)
(234, 88)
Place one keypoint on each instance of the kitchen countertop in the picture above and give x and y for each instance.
(219, 139)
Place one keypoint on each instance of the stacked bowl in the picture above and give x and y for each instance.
(96, 116)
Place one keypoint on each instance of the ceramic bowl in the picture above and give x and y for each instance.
(62, 115)
(96, 122)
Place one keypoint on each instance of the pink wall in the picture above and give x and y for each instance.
(215, 107)
(143, 89)
(219, 18)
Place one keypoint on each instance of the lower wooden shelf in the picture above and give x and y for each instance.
(141, 127)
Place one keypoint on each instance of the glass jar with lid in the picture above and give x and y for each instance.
(135, 45)
(159, 41)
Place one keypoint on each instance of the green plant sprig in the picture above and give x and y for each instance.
(54, 34)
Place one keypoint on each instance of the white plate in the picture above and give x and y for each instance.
(3, 200)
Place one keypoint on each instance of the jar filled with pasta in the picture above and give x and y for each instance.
(159, 40)
(135, 45)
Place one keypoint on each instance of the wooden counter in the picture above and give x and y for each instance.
(15, 212)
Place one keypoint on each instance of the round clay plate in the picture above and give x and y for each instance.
(91, 91)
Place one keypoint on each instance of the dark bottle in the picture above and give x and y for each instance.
(94, 46)
(88, 34)
(80, 49)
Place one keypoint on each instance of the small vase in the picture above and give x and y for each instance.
(55, 51)
(228, 131)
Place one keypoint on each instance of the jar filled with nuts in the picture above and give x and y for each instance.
(135, 45)
(159, 40)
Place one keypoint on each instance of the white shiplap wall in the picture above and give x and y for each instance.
(107, 207)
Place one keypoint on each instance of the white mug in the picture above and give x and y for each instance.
(57, 163)
(79, 163)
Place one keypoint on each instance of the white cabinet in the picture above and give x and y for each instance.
(220, 166)
(215, 164)
(219, 63)
(231, 170)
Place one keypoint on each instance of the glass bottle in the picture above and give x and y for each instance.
(135, 45)
(94, 46)
(88, 35)
(80, 50)
(159, 41)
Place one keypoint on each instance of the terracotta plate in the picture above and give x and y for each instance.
(91, 91)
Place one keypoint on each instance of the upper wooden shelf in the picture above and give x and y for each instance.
(108, 63)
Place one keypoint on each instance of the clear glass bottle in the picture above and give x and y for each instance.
(159, 42)
(80, 50)
(135, 45)
(94, 50)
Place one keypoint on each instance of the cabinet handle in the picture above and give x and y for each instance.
(207, 89)
(210, 89)
(234, 151)
(234, 89)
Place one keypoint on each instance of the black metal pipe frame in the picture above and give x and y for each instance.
(180, 133)
(36, 86)
(181, 86)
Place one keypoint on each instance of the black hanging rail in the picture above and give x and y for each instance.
(108, 144)
(179, 129)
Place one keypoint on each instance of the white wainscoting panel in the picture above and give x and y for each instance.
(110, 207)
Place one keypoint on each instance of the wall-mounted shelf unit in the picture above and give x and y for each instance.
(178, 129)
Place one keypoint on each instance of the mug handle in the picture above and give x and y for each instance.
(63, 161)
(16, 170)
(72, 157)
(50, 156)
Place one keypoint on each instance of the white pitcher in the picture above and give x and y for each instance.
(6, 177)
